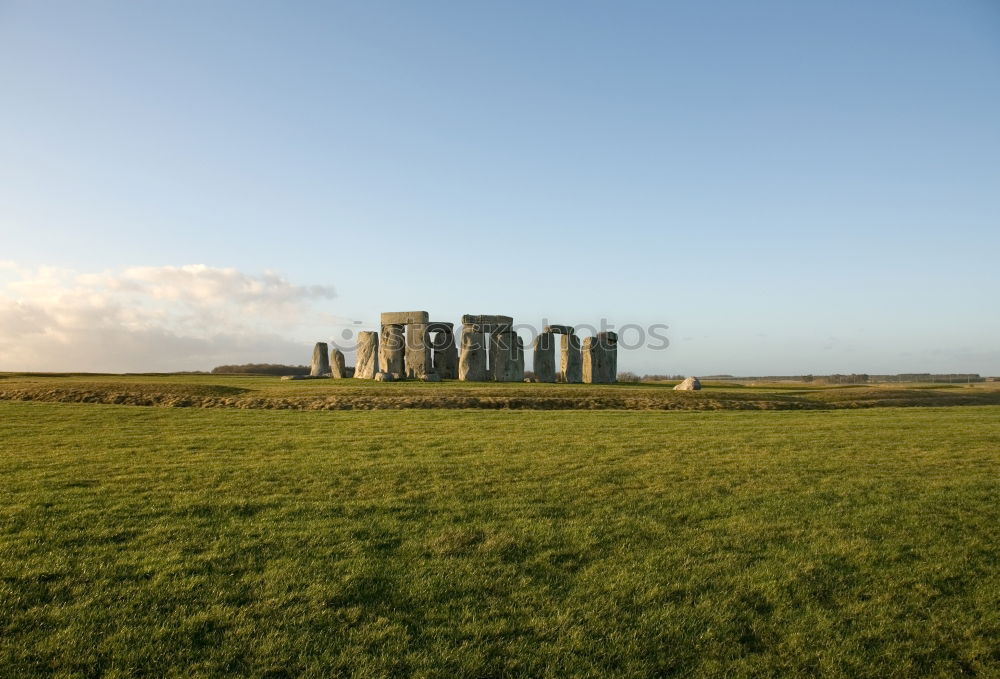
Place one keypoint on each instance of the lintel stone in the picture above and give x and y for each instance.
(404, 317)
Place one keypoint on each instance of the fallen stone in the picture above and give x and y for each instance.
(383, 377)
(690, 384)
(431, 377)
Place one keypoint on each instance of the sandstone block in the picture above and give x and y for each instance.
(418, 351)
(366, 361)
(338, 368)
(570, 363)
(472, 357)
(690, 384)
(561, 329)
(404, 317)
(392, 348)
(320, 360)
(445, 354)
(544, 353)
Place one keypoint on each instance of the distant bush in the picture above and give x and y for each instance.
(628, 377)
(261, 369)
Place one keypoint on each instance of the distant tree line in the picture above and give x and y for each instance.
(261, 369)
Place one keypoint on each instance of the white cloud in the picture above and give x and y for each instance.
(151, 318)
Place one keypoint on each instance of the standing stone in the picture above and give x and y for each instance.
(320, 360)
(545, 357)
(418, 351)
(338, 368)
(445, 354)
(506, 357)
(609, 341)
(516, 372)
(570, 360)
(600, 358)
(391, 349)
(366, 360)
(472, 358)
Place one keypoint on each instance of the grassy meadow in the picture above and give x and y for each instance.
(186, 542)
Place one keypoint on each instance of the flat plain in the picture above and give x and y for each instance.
(317, 529)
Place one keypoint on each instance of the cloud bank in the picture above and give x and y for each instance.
(151, 319)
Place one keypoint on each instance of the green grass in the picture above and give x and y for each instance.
(228, 391)
(168, 542)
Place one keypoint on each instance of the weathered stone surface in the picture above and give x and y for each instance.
(609, 341)
(690, 384)
(349, 371)
(545, 357)
(320, 360)
(506, 357)
(338, 368)
(472, 357)
(398, 377)
(561, 329)
(570, 362)
(305, 377)
(366, 361)
(487, 319)
(391, 350)
(418, 351)
(445, 354)
(431, 377)
(600, 359)
(516, 372)
(382, 376)
(404, 317)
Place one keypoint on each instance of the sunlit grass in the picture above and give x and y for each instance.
(186, 542)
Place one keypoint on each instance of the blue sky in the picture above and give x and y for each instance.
(792, 187)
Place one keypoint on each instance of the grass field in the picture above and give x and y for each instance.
(228, 391)
(177, 542)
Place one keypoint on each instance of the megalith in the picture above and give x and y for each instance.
(506, 357)
(418, 351)
(320, 360)
(391, 349)
(445, 350)
(366, 359)
(570, 360)
(338, 368)
(472, 358)
(600, 358)
(690, 384)
(545, 357)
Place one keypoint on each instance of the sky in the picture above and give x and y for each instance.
(787, 187)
